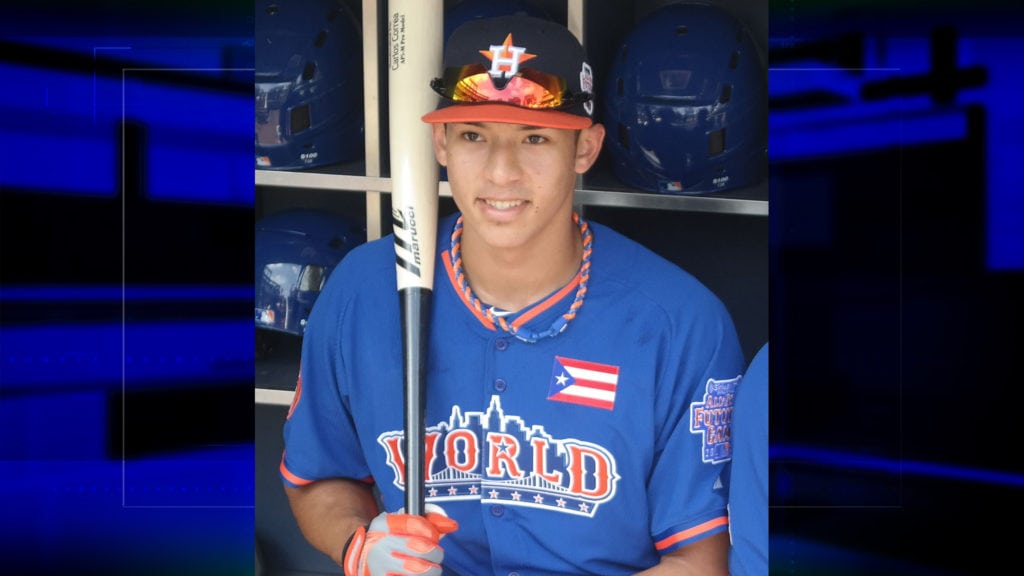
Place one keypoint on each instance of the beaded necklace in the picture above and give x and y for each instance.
(525, 334)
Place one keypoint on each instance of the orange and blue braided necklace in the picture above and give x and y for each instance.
(525, 334)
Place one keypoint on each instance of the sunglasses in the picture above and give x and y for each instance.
(527, 89)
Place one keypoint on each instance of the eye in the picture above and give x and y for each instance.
(536, 139)
(471, 136)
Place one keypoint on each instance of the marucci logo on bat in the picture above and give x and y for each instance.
(407, 243)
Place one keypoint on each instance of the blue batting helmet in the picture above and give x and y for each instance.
(296, 250)
(686, 103)
(468, 10)
(309, 84)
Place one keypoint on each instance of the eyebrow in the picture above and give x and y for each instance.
(518, 126)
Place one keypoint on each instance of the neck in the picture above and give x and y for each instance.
(514, 278)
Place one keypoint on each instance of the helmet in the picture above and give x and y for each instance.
(309, 96)
(686, 103)
(468, 10)
(296, 250)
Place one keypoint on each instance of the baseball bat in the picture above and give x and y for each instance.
(414, 58)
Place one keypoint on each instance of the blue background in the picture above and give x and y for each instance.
(126, 343)
(126, 340)
(896, 284)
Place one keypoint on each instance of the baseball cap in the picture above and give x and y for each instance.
(515, 69)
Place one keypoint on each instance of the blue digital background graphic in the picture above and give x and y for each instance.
(897, 277)
(126, 342)
(126, 336)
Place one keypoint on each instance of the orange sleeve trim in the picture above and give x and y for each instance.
(690, 533)
(551, 301)
(447, 260)
(292, 477)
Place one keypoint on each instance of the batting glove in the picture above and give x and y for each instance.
(399, 544)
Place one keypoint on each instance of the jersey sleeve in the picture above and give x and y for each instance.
(320, 439)
(748, 488)
(694, 403)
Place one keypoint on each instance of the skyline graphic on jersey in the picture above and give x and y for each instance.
(584, 383)
(497, 458)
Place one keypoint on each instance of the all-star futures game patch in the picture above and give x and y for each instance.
(713, 419)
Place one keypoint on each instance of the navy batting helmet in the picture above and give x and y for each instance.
(309, 84)
(468, 10)
(296, 250)
(686, 103)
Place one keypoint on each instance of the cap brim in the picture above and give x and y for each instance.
(493, 112)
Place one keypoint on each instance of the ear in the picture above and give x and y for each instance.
(588, 146)
(440, 143)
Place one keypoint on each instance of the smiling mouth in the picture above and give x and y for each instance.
(504, 204)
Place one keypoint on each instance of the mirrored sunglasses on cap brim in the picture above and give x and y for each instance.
(527, 89)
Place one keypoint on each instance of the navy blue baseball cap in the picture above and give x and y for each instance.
(515, 69)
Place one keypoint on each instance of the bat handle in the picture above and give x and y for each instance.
(415, 310)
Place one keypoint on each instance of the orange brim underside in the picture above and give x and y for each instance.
(507, 114)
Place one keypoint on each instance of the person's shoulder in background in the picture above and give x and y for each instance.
(748, 476)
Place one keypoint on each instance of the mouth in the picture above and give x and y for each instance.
(504, 204)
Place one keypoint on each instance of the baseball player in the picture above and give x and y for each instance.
(748, 472)
(580, 387)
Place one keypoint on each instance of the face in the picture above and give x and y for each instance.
(514, 183)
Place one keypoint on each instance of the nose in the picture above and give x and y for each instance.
(502, 165)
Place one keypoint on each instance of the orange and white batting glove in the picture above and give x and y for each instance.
(399, 545)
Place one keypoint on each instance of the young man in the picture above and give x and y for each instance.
(579, 388)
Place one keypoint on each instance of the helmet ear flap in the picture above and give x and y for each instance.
(686, 103)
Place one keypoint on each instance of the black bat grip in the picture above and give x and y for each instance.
(415, 317)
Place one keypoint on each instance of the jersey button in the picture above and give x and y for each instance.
(501, 343)
(497, 510)
(513, 574)
(500, 385)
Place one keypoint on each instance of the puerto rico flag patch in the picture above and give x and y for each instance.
(585, 383)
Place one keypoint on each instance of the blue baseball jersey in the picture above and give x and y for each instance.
(591, 452)
(748, 472)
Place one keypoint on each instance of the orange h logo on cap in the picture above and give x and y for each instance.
(506, 58)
